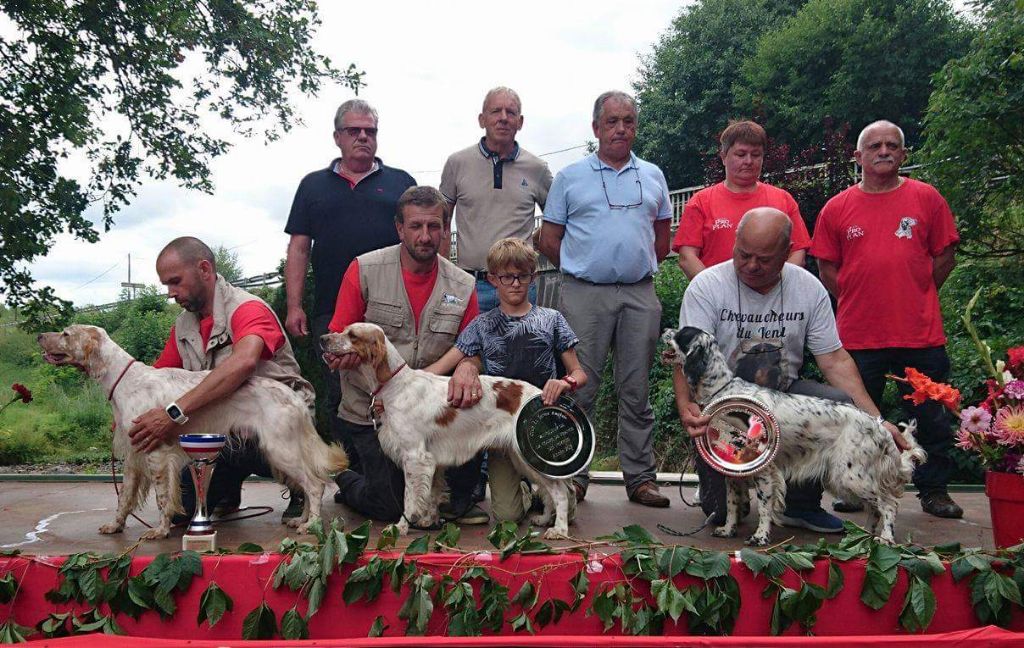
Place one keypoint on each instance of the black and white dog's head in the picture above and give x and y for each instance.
(697, 353)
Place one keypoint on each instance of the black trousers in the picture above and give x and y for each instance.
(800, 496)
(332, 385)
(378, 491)
(934, 422)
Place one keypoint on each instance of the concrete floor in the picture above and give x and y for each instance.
(57, 518)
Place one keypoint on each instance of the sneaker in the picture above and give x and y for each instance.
(940, 505)
(815, 520)
(847, 506)
(296, 505)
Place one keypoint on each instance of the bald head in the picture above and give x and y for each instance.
(189, 250)
(765, 227)
(883, 125)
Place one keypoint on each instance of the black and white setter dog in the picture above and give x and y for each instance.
(853, 455)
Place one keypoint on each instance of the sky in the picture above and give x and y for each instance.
(428, 66)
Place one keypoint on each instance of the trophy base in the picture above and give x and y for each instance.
(206, 542)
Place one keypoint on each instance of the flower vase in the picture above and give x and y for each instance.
(1006, 502)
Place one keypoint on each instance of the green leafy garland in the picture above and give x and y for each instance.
(472, 601)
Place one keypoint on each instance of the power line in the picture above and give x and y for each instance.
(98, 276)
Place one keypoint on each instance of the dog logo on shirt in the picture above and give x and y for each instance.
(721, 224)
(905, 230)
(448, 298)
(854, 232)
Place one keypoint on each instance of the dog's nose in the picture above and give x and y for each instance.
(39, 338)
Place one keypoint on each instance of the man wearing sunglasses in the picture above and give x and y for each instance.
(339, 212)
(606, 224)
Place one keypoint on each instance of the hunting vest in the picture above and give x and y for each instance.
(387, 305)
(282, 367)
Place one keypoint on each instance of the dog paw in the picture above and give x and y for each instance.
(554, 533)
(540, 519)
(724, 532)
(403, 527)
(758, 541)
(296, 523)
(112, 527)
(155, 534)
(302, 528)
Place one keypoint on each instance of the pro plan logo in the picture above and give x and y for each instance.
(721, 224)
(905, 230)
(854, 232)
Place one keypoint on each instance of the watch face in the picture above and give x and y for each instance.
(174, 412)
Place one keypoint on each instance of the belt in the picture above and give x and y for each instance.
(479, 275)
(610, 283)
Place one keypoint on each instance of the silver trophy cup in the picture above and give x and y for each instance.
(202, 450)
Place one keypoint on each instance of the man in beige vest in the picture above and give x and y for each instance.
(422, 301)
(234, 335)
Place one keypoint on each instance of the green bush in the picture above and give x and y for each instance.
(18, 348)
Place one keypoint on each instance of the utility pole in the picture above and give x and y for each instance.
(128, 284)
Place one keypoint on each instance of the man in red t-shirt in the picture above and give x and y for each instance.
(884, 247)
(707, 230)
(421, 301)
(234, 335)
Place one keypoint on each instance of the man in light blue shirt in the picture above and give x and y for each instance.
(607, 226)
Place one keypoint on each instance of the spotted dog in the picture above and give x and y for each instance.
(423, 434)
(853, 455)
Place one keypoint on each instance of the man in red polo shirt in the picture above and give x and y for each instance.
(707, 230)
(884, 247)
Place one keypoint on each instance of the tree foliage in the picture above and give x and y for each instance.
(685, 86)
(850, 61)
(127, 91)
(227, 263)
(975, 134)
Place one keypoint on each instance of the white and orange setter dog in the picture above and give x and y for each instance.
(268, 409)
(423, 434)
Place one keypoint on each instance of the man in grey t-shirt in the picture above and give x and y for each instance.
(764, 312)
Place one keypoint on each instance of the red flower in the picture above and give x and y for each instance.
(927, 389)
(1015, 361)
(23, 392)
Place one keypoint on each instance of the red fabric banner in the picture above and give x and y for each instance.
(247, 579)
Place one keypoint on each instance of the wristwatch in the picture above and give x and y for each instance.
(573, 384)
(176, 414)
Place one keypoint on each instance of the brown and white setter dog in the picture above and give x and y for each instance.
(854, 456)
(423, 434)
(264, 408)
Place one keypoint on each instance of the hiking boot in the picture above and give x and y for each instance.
(940, 505)
(463, 513)
(296, 505)
(648, 494)
(815, 520)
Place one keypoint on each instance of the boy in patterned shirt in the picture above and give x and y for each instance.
(522, 341)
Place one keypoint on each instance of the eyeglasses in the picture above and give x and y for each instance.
(353, 131)
(631, 205)
(510, 279)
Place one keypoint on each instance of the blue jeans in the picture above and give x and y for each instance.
(487, 295)
(934, 422)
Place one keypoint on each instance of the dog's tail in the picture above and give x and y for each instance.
(322, 459)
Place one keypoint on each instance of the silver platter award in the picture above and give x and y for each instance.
(555, 440)
(742, 438)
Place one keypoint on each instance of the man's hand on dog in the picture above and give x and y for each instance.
(345, 361)
(901, 443)
(153, 429)
(464, 388)
(696, 425)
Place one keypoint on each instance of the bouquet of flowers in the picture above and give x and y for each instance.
(993, 429)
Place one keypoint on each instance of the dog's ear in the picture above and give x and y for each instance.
(684, 337)
(377, 352)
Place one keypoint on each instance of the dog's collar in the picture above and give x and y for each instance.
(705, 401)
(381, 386)
(119, 377)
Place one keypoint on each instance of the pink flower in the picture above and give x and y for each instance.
(975, 420)
(965, 440)
(1014, 389)
(1009, 427)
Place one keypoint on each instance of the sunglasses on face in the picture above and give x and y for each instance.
(353, 131)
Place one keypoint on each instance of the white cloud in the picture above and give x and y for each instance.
(428, 65)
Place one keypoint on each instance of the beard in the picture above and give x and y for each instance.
(420, 253)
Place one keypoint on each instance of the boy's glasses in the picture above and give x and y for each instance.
(510, 279)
